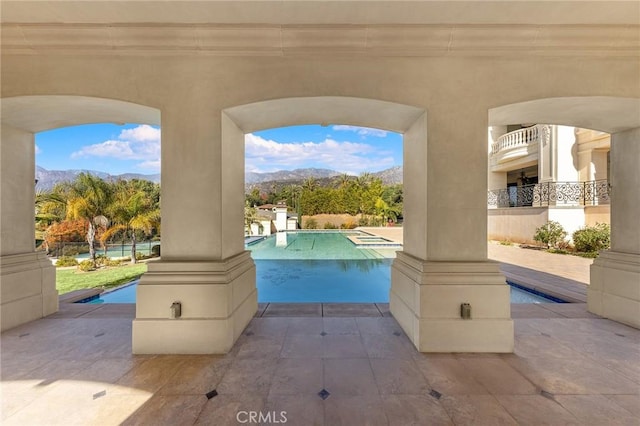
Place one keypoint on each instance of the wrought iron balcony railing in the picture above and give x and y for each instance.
(544, 194)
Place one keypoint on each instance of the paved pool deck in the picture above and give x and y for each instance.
(324, 364)
(563, 276)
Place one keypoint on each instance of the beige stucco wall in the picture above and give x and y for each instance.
(597, 214)
(516, 224)
(445, 228)
(192, 92)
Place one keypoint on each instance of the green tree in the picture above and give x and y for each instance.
(310, 184)
(50, 208)
(343, 181)
(385, 211)
(89, 199)
(132, 211)
(250, 216)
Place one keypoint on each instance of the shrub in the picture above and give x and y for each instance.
(551, 234)
(113, 262)
(364, 221)
(592, 238)
(311, 224)
(101, 260)
(349, 225)
(86, 266)
(67, 261)
(329, 225)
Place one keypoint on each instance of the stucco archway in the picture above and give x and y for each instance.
(405, 119)
(614, 290)
(28, 278)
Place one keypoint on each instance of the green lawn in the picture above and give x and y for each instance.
(72, 279)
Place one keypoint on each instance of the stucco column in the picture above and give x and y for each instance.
(203, 265)
(444, 259)
(27, 277)
(614, 291)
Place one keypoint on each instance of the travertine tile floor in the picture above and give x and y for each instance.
(76, 367)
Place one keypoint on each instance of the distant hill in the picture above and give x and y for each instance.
(288, 175)
(266, 182)
(47, 179)
(392, 176)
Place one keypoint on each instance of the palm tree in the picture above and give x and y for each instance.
(386, 211)
(310, 184)
(364, 180)
(89, 199)
(132, 211)
(50, 208)
(343, 180)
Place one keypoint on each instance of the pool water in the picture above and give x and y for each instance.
(338, 281)
(278, 287)
(321, 267)
(325, 245)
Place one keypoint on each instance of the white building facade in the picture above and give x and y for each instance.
(209, 72)
(540, 173)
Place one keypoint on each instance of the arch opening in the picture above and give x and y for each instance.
(22, 117)
(326, 202)
(615, 273)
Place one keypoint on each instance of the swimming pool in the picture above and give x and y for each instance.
(321, 267)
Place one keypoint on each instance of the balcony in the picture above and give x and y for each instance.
(590, 193)
(518, 148)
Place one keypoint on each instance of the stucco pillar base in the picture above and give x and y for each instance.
(28, 288)
(614, 291)
(425, 299)
(218, 300)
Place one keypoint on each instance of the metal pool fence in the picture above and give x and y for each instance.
(81, 250)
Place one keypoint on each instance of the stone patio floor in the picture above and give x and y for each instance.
(569, 367)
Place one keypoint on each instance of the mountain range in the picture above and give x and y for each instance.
(47, 179)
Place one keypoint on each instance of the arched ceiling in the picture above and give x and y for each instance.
(38, 113)
(607, 114)
(324, 110)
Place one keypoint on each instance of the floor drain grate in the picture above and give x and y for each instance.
(324, 394)
(397, 333)
(212, 394)
(323, 333)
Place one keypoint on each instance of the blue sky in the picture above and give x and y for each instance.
(135, 148)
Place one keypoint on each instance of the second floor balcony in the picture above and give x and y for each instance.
(590, 193)
(518, 148)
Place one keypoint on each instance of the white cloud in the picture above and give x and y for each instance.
(38, 150)
(362, 131)
(143, 133)
(138, 143)
(263, 155)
